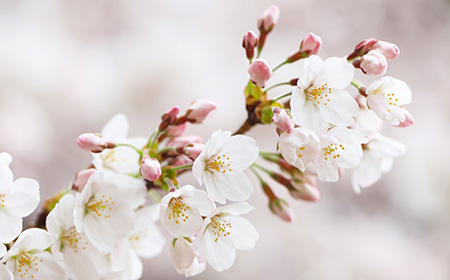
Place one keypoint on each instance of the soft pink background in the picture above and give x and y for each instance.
(66, 67)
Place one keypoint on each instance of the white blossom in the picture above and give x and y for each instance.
(18, 199)
(386, 98)
(225, 232)
(221, 163)
(319, 98)
(186, 258)
(181, 211)
(377, 158)
(28, 259)
(104, 210)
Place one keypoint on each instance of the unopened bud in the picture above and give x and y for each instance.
(200, 110)
(389, 50)
(150, 169)
(305, 189)
(249, 43)
(192, 150)
(374, 63)
(176, 130)
(311, 44)
(409, 120)
(169, 118)
(280, 208)
(92, 142)
(81, 179)
(184, 140)
(364, 47)
(282, 120)
(185, 258)
(260, 72)
(268, 19)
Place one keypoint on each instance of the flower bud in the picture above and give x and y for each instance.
(81, 179)
(185, 258)
(282, 120)
(91, 142)
(169, 118)
(192, 150)
(268, 19)
(200, 110)
(373, 63)
(280, 208)
(184, 140)
(364, 47)
(311, 44)
(389, 50)
(249, 43)
(305, 189)
(176, 130)
(260, 72)
(150, 169)
(409, 120)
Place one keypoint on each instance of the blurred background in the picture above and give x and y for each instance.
(66, 67)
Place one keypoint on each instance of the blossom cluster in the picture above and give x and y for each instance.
(129, 203)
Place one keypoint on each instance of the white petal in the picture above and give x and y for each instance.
(242, 151)
(218, 254)
(2, 249)
(99, 233)
(199, 167)
(341, 110)
(5, 274)
(216, 143)
(366, 173)
(10, 226)
(80, 266)
(350, 157)
(23, 197)
(337, 73)
(61, 217)
(151, 244)
(116, 129)
(310, 69)
(305, 113)
(6, 175)
(236, 209)
(328, 172)
(243, 234)
(200, 200)
(187, 225)
(233, 185)
(211, 188)
(387, 148)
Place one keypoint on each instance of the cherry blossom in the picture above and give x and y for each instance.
(181, 211)
(18, 199)
(28, 258)
(185, 258)
(319, 98)
(225, 232)
(386, 98)
(340, 148)
(82, 260)
(221, 163)
(377, 158)
(104, 210)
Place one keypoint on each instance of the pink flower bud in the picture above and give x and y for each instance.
(81, 179)
(260, 72)
(364, 47)
(192, 150)
(200, 110)
(176, 130)
(389, 50)
(280, 208)
(169, 118)
(311, 44)
(268, 19)
(184, 140)
(282, 120)
(91, 142)
(250, 40)
(409, 120)
(306, 189)
(150, 169)
(374, 63)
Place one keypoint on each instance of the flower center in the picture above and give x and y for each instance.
(219, 164)
(102, 207)
(2, 200)
(391, 99)
(73, 239)
(27, 264)
(318, 94)
(300, 154)
(135, 240)
(219, 227)
(332, 150)
(177, 210)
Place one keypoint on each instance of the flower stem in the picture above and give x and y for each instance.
(360, 86)
(263, 169)
(130, 146)
(187, 166)
(281, 64)
(166, 149)
(154, 196)
(277, 85)
(282, 96)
